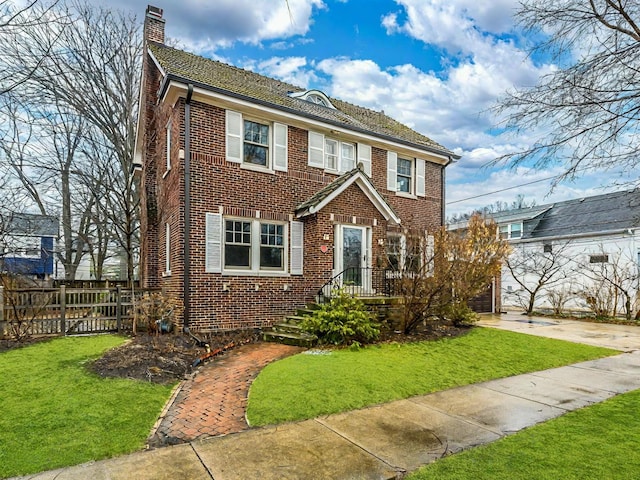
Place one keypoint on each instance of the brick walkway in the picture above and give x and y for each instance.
(213, 402)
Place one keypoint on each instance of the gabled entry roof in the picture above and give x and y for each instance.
(328, 193)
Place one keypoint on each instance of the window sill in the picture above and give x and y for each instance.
(253, 273)
(257, 168)
(406, 195)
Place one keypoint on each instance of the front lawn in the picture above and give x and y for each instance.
(55, 413)
(597, 442)
(308, 385)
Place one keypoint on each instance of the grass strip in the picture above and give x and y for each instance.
(306, 386)
(56, 413)
(596, 442)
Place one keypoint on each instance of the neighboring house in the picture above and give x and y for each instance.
(255, 193)
(27, 244)
(587, 239)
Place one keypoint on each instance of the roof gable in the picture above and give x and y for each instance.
(331, 191)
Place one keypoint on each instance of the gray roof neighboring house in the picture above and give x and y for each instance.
(610, 212)
(226, 79)
(31, 224)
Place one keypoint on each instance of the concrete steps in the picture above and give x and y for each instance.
(289, 331)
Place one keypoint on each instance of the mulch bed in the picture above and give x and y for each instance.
(167, 358)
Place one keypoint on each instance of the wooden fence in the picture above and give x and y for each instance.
(67, 311)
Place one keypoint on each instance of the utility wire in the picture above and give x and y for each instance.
(502, 190)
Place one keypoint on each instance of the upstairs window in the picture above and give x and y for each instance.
(511, 231)
(256, 143)
(404, 176)
(337, 156)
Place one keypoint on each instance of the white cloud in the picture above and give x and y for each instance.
(294, 70)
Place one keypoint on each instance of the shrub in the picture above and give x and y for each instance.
(460, 314)
(344, 320)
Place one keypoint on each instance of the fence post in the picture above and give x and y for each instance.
(3, 330)
(63, 309)
(119, 308)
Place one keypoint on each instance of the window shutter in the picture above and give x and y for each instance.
(316, 150)
(234, 136)
(392, 171)
(213, 247)
(420, 186)
(364, 157)
(280, 147)
(297, 242)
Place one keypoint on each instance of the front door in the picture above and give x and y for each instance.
(352, 258)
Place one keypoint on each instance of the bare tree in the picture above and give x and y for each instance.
(15, 21)
(611, 277)
(588, 111)
(95, 74)
(536, 268)
(442, 272)
(43, 156)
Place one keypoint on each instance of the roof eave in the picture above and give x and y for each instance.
(166, 83)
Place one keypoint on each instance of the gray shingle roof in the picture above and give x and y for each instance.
(241, 83)
(602, 213)
(32, 224)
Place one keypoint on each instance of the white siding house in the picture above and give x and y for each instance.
(582, 254)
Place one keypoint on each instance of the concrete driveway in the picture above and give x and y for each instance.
(620, 337)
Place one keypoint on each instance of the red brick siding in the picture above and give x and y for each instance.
(217, 183)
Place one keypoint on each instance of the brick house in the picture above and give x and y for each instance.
(255, 193)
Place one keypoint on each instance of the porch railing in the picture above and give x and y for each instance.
(361, 282)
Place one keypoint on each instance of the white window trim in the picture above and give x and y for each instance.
(277, 154)
(359, 154)
(509, 232)
(167, 250)
(254, 269)
(417, 181)
(168, 148)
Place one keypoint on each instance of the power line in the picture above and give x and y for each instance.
(502, 190)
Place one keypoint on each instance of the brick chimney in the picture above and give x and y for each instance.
(154, 25)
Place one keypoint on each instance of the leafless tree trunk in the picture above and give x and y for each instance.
(618, 274)
(588, 112)
(96, 75)
(533, 269)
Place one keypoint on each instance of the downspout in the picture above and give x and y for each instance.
(187, 207)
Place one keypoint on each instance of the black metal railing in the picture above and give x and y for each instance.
(361, 282)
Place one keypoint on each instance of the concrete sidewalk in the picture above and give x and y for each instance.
(625, 338)
(380, 442)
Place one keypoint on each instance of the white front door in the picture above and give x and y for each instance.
(353, 257)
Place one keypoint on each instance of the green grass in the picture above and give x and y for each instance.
(597, 442)
(306, 386)
(54, 412)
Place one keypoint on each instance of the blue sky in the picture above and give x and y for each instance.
(435, 65)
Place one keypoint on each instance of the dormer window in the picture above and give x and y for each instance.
(313, 96)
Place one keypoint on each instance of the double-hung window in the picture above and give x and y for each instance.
(254, 245)
(237, 244)
(337, 156)
(256, 143)
(405, 176)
